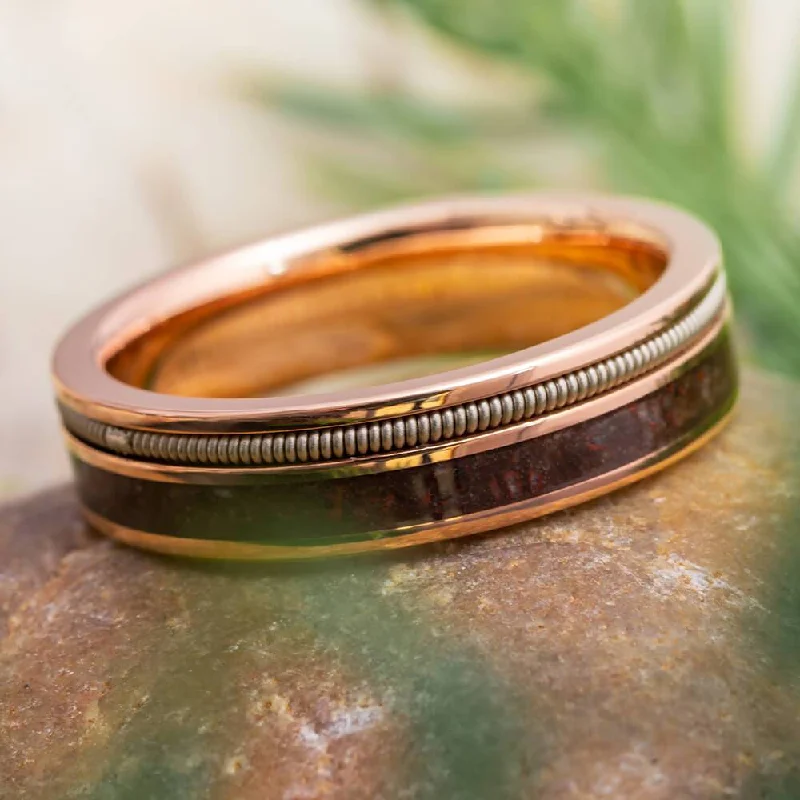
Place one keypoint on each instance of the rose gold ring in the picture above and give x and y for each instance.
(540, 351)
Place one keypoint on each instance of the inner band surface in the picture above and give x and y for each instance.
(431, 293)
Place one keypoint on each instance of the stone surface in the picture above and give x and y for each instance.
(646, 645)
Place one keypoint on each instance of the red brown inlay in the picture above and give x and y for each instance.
(361, 507)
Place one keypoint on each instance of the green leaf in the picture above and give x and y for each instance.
(358, 187)
(782, 163)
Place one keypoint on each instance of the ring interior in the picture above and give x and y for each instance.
(419, 301)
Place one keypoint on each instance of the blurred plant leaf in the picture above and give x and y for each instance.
(434, 150)
(785, 155)
(386, 113)
(396, 114)
(359, 187)
(708, 31)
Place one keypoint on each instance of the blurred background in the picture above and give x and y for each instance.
(136, 136)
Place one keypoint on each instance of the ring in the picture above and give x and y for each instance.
(405, 376)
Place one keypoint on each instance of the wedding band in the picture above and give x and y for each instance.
(568, 346)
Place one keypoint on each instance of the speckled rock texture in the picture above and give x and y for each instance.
(646, 645)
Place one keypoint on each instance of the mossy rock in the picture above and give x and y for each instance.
(646, 645)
